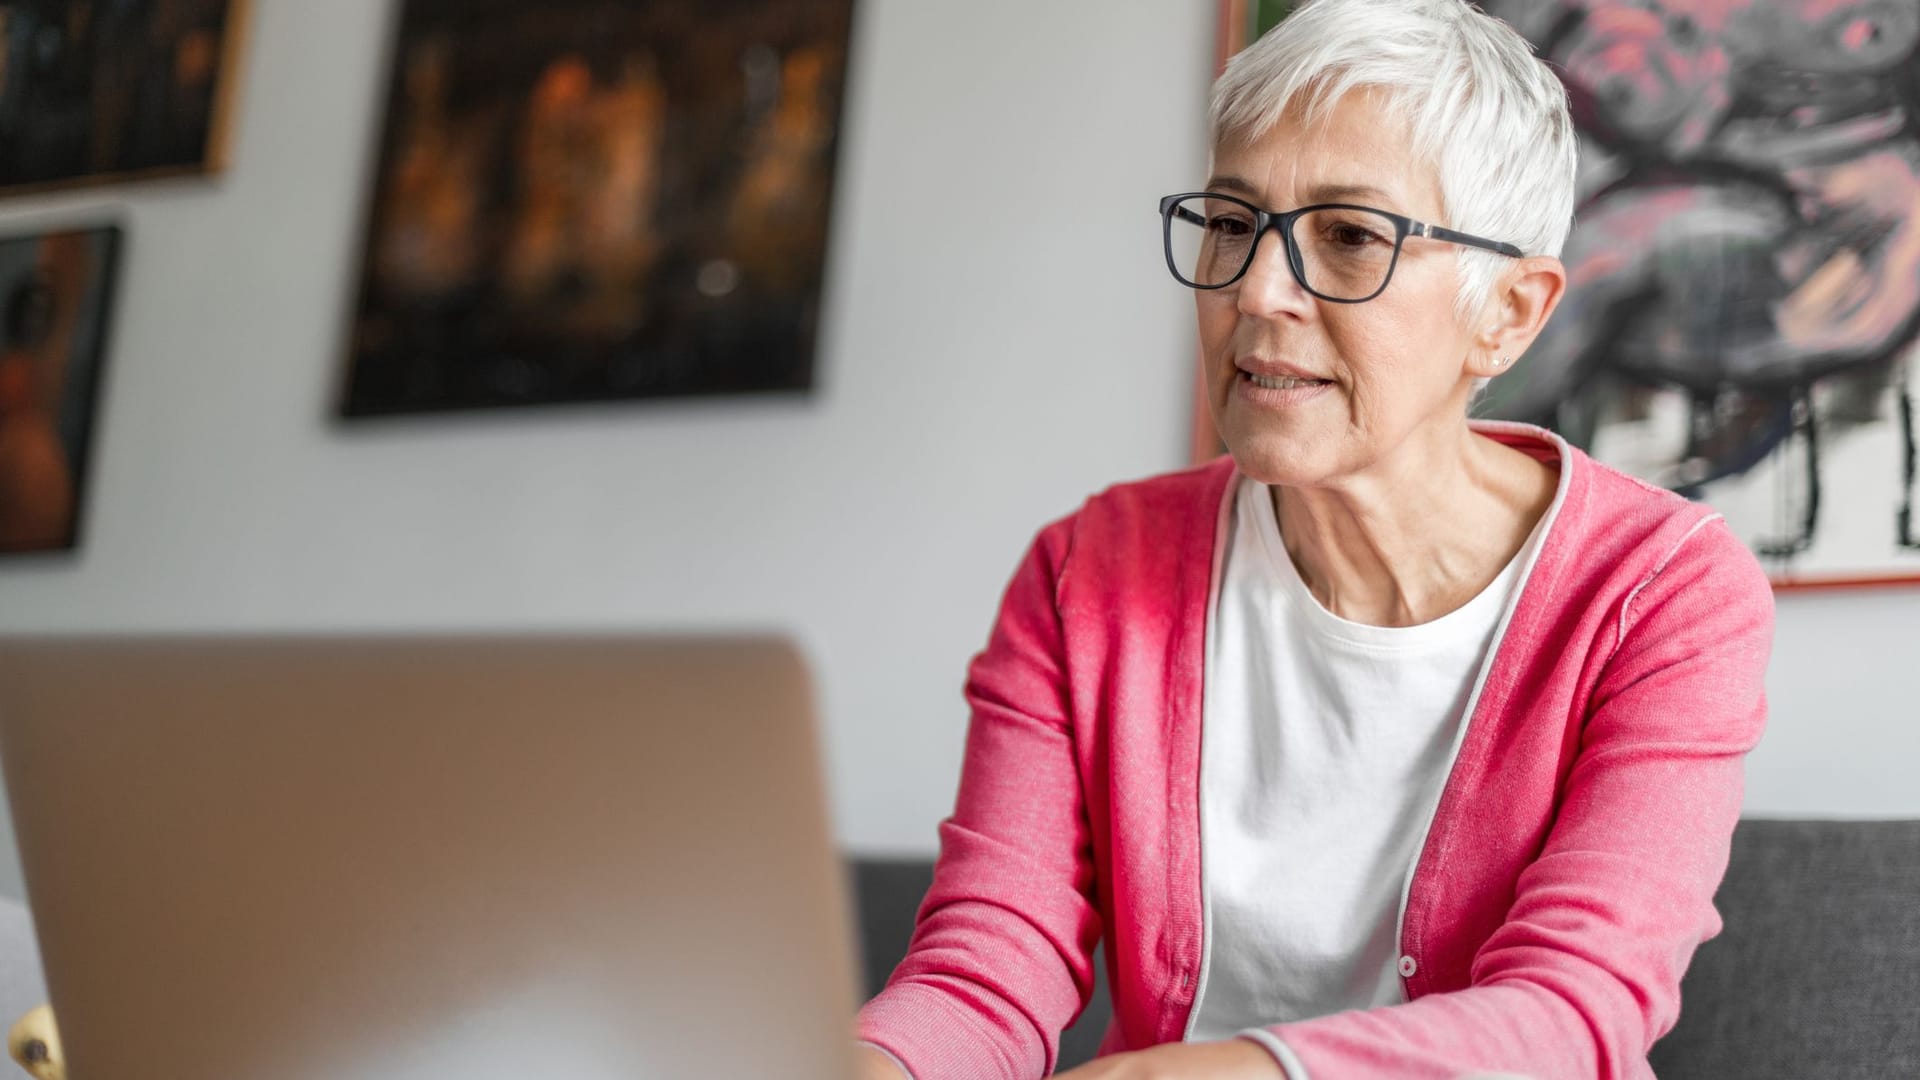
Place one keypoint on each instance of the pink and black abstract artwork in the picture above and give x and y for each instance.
(1744, 270)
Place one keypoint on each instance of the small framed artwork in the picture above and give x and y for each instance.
(588, 200)
(1743, 320)
(56, 291)
(99, 92)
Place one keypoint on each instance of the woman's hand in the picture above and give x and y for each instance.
(1229, 1059)
(871, 1064)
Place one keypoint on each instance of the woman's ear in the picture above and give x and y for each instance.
(1524, 297)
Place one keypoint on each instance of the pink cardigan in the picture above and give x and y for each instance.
(1566, 877)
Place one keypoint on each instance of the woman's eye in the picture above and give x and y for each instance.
(1353, 236)
(1230, 226)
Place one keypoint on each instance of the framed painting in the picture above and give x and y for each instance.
(588, 200)
(1243, 21)
(1743, 320)
(94, 92)
(56, 290)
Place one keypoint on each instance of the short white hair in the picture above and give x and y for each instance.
(1488, 115)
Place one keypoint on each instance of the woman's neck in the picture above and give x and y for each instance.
(1418, 535)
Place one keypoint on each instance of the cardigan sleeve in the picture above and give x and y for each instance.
(1584, 973)
(1001, 955)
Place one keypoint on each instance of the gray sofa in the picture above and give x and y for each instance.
(1816, 976)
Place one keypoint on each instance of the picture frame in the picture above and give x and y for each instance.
(595, 201)
(57, 294)
(94, 93)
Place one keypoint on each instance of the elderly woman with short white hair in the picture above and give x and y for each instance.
(1390, 744)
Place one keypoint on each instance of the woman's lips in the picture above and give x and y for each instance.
(1279, 391)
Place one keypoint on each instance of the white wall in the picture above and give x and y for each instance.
(1001, 340)
(1843, 738)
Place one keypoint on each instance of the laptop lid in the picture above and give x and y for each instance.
(410, 857)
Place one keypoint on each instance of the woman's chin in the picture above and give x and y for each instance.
(1281, 460)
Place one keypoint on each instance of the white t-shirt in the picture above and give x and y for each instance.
(1324, 746)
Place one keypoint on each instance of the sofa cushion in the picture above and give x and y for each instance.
(1818, 971)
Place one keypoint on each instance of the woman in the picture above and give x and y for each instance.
(1389, 745)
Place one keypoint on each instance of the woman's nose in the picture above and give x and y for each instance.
(1269, 286)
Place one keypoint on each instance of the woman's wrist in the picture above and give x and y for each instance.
(871, 1062)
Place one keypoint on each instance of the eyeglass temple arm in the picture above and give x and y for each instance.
(1420, 228)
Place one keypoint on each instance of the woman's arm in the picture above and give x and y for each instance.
(1001, 957)
(1584, 975)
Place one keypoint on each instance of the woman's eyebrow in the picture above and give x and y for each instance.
(1232, 183)
(1337, 192)
(1331, 192)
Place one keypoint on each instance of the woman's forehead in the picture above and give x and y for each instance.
(1311, 191)
(1357, 153)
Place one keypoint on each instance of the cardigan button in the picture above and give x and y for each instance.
(1408, 967)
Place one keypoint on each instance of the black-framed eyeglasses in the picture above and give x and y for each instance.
(1340, 252)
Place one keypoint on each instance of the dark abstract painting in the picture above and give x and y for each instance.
(56, 291)
(586, 200)
(1744, 270)
(94, 90)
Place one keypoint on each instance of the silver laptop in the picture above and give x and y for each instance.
(420, 859)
